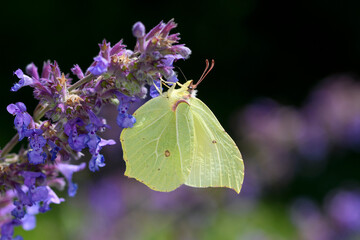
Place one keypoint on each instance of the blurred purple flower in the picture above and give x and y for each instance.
(335, 105)
(106, 199)
(353, 132)
(270, 130)
(278, 137)
(311, 223)
(344, 208)
(312, 140)
(67, 170)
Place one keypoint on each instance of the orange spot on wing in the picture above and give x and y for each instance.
(167, 153)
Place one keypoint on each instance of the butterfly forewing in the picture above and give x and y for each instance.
(217, 160)
(157, 150)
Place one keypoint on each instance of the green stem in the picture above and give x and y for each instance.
(40, 112)
(86, 79)
(10, 145)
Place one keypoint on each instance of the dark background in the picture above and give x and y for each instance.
(276, 49)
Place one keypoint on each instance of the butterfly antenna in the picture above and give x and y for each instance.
(182, 73)
(206, 71)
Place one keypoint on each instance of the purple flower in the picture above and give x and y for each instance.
(100, 66)
(77, 71)
(25, 80)
(98, 122)
(36, 156)
(96, 161)
(55, 149)
(182, 50)
(95, 144)
(68, 170)
(104, 142)
(55, 69)
(154, 92)
(46, 70)
(32, 70)
(92, 140)
(22, 118)
(168, 60)
(156, 55)
(23, 197)
(172, 78)
(117, 48)
(138, 30)
(123, 106)
(105, 49)
(38, 194)
(19, 211)
(16, 108)
(51, 198)
(125, 120)
(37, 142)
(7, 230)
(72, 109)
(76, 141)
(29, 220)
(31, 196)
(31, 177)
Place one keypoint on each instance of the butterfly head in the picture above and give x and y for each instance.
(188, 89)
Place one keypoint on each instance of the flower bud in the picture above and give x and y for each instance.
(138, 30)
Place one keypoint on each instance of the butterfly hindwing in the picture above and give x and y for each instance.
(217, 160)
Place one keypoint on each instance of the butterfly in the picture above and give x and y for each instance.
(177, 140)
